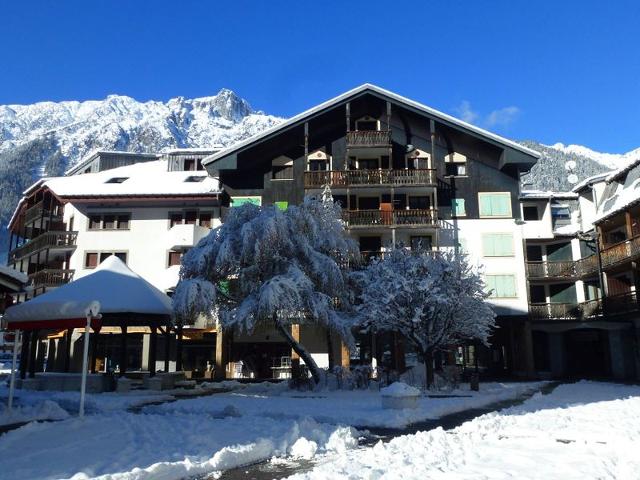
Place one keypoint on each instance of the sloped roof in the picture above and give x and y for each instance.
(367, 87)
(114, 285)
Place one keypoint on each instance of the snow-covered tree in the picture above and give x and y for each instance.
(433, 300)
(267, 266)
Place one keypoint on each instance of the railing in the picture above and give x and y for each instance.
(369, 138)
(609, 306)
(51, 277)
(622, 303)
(621, 252)
(50, 239)
(587, 266)
(354, 178)
(36, 212)
(564, 269)
(369, 218)
(562, 311)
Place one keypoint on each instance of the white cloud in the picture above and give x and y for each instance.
(502, 117)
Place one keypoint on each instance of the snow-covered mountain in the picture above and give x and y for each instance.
(610, 160)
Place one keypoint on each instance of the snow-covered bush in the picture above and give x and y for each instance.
(267, 266)
(433, 300)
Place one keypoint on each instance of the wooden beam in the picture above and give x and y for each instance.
(68, 338)
(167, 347)
(24, 353)
(32, 354)
(123, 349)
(153, 345)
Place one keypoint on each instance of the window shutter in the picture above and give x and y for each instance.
(500, 205)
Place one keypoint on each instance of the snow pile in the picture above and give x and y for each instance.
(399, 389)
(586, 430)
(47, 410)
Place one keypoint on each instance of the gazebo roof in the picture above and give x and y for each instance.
(115, 286)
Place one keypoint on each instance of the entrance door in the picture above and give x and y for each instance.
(587, 353)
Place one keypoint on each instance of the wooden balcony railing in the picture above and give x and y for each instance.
(374, 218)
(51, 277)
(564, 269)
(622, 303)
(367, 178)
(624, 251)
(369, 138)
(38, 211)
(587, 266)
(560, 311)
(47, 240)
(601, 307)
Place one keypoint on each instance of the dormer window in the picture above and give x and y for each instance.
(318, 161)
(455, 164)
(117, 180)
(418, 159)
(282, 168)
(367, 124)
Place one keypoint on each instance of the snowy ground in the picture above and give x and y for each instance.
(201, 435)
(580, 431)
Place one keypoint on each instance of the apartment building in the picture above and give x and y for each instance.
(581, 274)
(405, 174)
(147, 213)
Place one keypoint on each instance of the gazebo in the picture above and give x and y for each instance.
(125, 300)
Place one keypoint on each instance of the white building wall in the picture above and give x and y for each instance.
(147, 241)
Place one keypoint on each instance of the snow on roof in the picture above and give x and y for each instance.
(570, 229)
(539, 194)
(116, 287)
(590, 180)
(140, 179)
(622, 170)
(214, 148)
(362, 88)
(621, 200)
(14, 274)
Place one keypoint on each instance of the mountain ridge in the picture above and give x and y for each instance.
(47, 138)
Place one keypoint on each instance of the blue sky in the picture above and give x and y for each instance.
(549, 70)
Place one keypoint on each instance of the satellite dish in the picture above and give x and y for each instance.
(570, 165)
(572, 179)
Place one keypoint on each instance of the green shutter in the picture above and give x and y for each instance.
(495, 204)
(236, 202)
(497, 245)
(458, 207)
(501, 286)
(282, 205)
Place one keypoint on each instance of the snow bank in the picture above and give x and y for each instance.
(399, 389)
(581, 431)
(47, 410)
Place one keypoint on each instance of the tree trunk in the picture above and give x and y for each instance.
(428, 364)
(301, 351)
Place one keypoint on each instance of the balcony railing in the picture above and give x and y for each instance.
(391, 218)
(38, 211)
(369, 138)
(565, 269)
(367, 178)
(47, 240)
(587, 266)
(624, 251)
(51, 277)
(609, 306)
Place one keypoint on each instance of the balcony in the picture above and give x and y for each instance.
(38, 211)
(587, 266)
(53, 240)
(392, 218)
(624, 251)
(609, 306)
(368, 138)
(370, 178)
(551, 270)
(186, 235)
(51, 277)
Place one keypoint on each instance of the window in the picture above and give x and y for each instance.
(530, 213)
(95, 222)
(189, 164)
(175, 219)
(457, 207)
(191, 217)
(497, 245)
(282, 205)
(121, 255)
(367, 124)
(420, 243)
(455, 165)
(90, 260)
(110, 221)
(117, 180)
(419, 203)
(318, 165)
(495, 204)
(174, 258)
(205, 220)
(368, 164)
(501, 286)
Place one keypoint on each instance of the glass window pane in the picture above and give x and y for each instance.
(94, 222)
(282, 205)
(458, 207)
(123, 222)
(109, 222)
